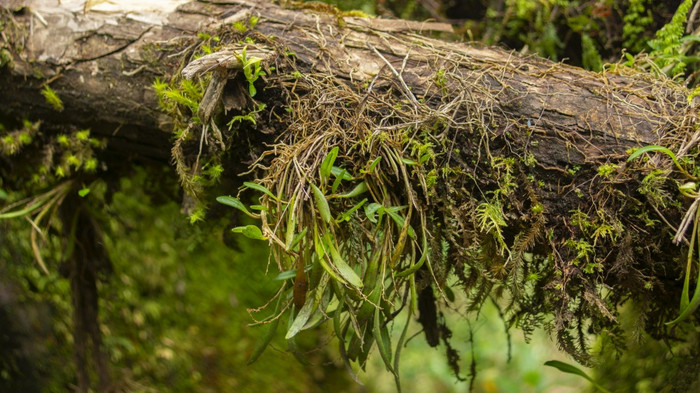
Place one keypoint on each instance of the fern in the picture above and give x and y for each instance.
(590, 55)
(636, 21)
(491, 220)
(666, 47)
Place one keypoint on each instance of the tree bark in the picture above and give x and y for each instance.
(102, 66)
(543, 142)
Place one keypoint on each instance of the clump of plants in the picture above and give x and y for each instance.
(372, 195)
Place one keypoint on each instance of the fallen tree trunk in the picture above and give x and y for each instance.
(509, 172)
(102, 65)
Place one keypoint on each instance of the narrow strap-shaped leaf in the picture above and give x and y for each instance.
(358, 190)
(571, 369)
(301, 317)
(336, 182)
(25, 211)
(374, 164)
(321, 255)
(649, 148)
(258, 187)
(291, 223)
(397, 354)
(343, 268)
(339, 332)
(292, 344)
(371, 211)
(327, 163)
(383, 341)
(342, 173)
(322, 204)
(346, 215)
(287, 274)
(688, 307)
(414, 268)
(660, 149)
(400, 220)
(235, 203)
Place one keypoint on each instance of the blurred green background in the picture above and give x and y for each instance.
(174, 319)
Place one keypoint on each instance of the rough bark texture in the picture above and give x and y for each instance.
(513, 169)
(102, 66)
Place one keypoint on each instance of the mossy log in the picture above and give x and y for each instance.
(509, 172)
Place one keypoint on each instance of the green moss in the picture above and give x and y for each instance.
(607, 170)
(52, 98)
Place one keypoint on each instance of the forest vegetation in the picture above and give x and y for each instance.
(350, 196)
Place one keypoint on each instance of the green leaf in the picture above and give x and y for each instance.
(250, 231)
(342, 173)
(302, 317)
(358, 190)
(328, 162)
(22, 212)
(3, 194)
(371, 210)
(374, 164)
(287, 274)
(258, 187)
(337, 181)
(424, 254)
(649, 148)
(688, 306)
(322, 204)
(297, 238)
(571, 369)
(235, 203)
(83, 192)
(383, 340)
(343, 268)
(321, 255)
(399, 220)
(408, 162)
(346, 216)
(291, 224)
(661, 149)
(291, 342)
